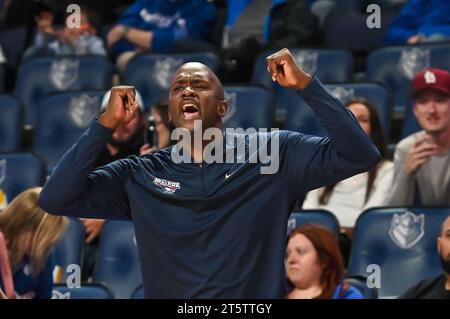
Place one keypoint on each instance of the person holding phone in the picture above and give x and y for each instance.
(422, 160)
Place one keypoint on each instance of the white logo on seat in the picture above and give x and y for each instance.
(63, 73)
(60, 295)
(83, 109)
(414, 60)
(407, 229)
(342, 94)
(307, 60)
(164, 69)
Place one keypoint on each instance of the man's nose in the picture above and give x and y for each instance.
(188, 91)
(431, 107)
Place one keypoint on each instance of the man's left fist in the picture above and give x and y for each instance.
(285, 71)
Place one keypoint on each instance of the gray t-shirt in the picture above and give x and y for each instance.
(432, 178)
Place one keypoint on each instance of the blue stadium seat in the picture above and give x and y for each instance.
(2, 77)
(151, 73)
(360, 283)
(60, 120)
(301, 118)
(13, 43)
(402, 242)
(352, 33)
(248, 106)
(138, 293)
(118, 263)
(10, 124)
(86, 291)
(314, 216)
(410, 124)
(20, 171)
(396, 67)
(327, 65)
(42, 76)
(69, 249)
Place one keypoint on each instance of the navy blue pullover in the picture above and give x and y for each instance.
(200, 234)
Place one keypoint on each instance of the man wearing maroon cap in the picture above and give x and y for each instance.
(422, 160)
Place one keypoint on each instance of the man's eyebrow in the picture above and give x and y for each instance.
(181, 77)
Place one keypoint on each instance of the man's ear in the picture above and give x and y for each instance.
(222, 108)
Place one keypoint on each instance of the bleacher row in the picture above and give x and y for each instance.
(57, 97)
(403, 258)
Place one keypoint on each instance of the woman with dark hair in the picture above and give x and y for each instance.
(348, 198)
(314, 266)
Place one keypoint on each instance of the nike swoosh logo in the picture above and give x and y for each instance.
(242, 165)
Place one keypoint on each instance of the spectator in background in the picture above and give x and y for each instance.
(422, 160)
(31, 235)
(421, 21)
(160, 125)
(438, 287)
(2, 57)
(349, 198)
(254, 26)
(314, 266)
(131, 139)
(68, 41)
(161, 26)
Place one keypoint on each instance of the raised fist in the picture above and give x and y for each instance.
(121, 107)
(283, 69)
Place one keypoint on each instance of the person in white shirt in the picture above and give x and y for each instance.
(349, 198)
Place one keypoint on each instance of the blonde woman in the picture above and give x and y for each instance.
(30, 235)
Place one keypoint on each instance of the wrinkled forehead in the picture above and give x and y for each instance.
(192, 70)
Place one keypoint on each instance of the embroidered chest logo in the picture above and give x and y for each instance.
(167, 186)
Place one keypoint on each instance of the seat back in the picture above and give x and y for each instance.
(86, 291)
(398, 245)
(42, 76)
(327, 65)
(61, 120)
(18, 172)
(396, 67)
(314, 216)
(151, 74)
(117, 262)
(248, 106)
(69, 249)
(301, 118)
(10, 124)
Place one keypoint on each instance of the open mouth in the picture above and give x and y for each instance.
(190, 111)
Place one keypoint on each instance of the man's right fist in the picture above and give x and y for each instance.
(121, 107)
